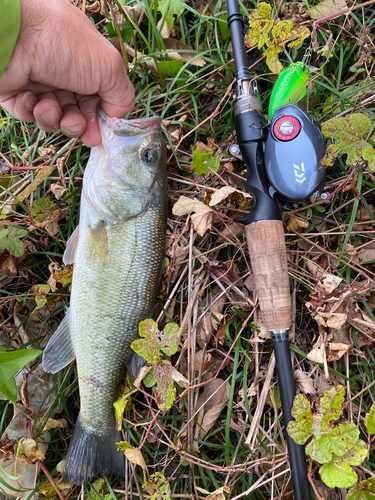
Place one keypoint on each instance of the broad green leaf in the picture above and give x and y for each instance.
(320, 449)
(12, 362)
(40, 292)
(260, 24)
(329, 407)
(223, 26)
(370, 420)
(149, 346)
(272, 60)
(348, 135)
(343, 438)
(169, 8)
(286, 31)
(9, 389)
(202, 162)
(264, 31)
(338, 475)
(95, 490)
(10, 240)
(158, 482)
(369, 156)
(154, 341)
(171, 67)
(365, 490)
(165, 392)
(301, 428)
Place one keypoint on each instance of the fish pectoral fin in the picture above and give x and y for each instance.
(98, 241)
(71, 247)
(59, 351)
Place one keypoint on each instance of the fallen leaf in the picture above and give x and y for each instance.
(202, 216)
(331, 282)
(317, 354)
(180, 49)
(29, 451)
(198, 362)
(58, 190)
(304, 382)
(327, 8)
(54, 424)
(141, 375)
(179, 378)
(295, 222)
(226, 191)
(134, 456)
(43, 173)
(332, 320)
(366, 253)
(338, 350)
(214, 398)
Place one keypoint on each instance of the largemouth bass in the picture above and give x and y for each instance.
(118, 251)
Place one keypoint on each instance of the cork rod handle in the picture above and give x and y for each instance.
(269, 265)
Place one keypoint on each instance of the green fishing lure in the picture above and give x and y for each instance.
(290, 86)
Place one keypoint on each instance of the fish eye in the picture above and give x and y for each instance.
(150, 155)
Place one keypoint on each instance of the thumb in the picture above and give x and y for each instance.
(116, 92)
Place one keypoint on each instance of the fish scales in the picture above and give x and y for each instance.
(125, 293)
(118, 253)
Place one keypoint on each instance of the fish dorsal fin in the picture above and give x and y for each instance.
(71, 247)
(59, 351)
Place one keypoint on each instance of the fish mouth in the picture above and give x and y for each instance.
(136, 126)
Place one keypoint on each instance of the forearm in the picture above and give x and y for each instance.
(10, 22)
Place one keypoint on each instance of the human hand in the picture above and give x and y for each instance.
(60, 69)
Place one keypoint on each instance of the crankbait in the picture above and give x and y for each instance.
(290, 87)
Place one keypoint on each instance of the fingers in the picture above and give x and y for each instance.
(116, 92)
(24, 105)
(73, 123)
(47, 112)
(89, 107)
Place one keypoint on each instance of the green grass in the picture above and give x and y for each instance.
(187, 100)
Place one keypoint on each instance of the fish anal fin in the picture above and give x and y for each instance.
(71, 247)
(59, 351)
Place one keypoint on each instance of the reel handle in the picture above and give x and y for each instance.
(267, 250)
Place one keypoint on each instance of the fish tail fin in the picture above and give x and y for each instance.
(134, 367)
(91, 454)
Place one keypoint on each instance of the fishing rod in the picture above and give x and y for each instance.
(282, 159)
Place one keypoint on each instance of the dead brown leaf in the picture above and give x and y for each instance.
(55, 423)
(223, 193)
(304, 382)
(295, 222)
(327, 8)
(30, 451)
(201, 217)
(214, 398)
(179, 48)
(58, 190)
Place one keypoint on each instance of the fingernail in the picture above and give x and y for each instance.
(29, 101)
(75, 130)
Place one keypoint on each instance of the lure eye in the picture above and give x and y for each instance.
(150, 155)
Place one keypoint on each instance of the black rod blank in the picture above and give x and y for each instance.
(236, 26)
(297, 457)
